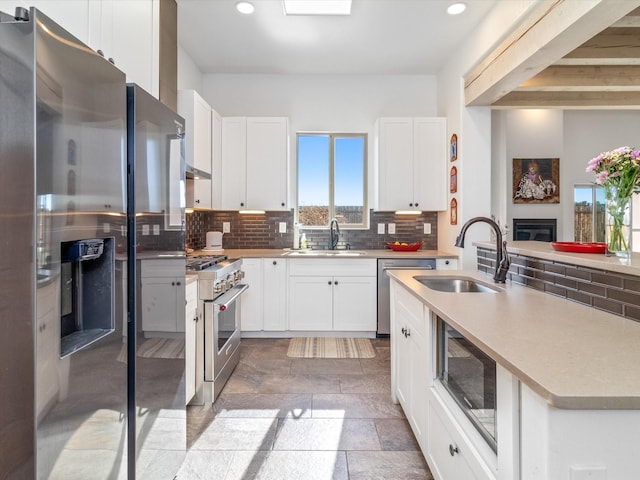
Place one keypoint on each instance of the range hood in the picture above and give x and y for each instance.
(193, 172)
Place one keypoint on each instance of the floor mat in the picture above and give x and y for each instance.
(326, 347)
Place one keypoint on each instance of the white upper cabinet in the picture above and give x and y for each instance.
(412, 161)
(267, 146)
(254, 163)
(125, 31)
(129, 33)
(216, 164)
(198, 117)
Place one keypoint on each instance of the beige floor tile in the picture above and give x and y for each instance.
(205, 465)
(263, 406)
(365, 384)
(387, 465)
(237, 434)
(327, 434)
(395, 434)
(326, 366)
(283, 465)
(355, 405)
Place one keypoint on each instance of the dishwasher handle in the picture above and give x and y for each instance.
(426, 267)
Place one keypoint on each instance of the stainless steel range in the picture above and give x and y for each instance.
(219, 291)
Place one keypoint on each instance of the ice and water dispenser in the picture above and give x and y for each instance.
(87, 292)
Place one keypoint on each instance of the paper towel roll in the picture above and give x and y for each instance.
(214, 241)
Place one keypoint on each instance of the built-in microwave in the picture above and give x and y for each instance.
(469, 376)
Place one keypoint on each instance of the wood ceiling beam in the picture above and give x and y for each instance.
(614, 43)
(570, 100)
(584, 77)
(552, 30)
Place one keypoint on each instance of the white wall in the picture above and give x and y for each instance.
(189, 75)
(473, 127)
(574, 136)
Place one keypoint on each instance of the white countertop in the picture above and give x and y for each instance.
(574, 356)
(545, 251)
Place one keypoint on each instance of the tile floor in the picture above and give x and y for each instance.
(292, 419)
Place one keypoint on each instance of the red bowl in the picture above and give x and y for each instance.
(578, 247)
(411, 247)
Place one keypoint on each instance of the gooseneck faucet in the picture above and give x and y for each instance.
(334, 233)
(502, 257)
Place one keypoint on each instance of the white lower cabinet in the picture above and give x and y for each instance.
(191, 319)
(162, 295)
(446, 263)
(332, 295)
(446, 455)
(264, 303)
(411, 359)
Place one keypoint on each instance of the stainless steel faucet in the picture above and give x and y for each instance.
(502, 257)
(334, 232)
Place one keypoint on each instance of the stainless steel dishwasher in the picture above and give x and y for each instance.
(383, 285)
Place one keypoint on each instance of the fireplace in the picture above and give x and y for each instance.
(539, 229)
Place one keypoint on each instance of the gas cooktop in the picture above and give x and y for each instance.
(197, 263)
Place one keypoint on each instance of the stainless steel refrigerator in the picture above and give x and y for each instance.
(157, 406)
(65, 361)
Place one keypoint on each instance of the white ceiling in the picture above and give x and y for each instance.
(379, 37)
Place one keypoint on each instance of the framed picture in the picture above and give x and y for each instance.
(454, 147)
(453, 212)
(536, 180)
(453, 180)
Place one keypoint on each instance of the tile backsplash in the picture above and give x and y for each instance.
(262, 231)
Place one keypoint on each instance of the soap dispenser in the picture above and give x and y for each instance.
(303, 241)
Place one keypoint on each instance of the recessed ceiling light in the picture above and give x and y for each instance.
(456, 8)
(245, 7)
(317, 7)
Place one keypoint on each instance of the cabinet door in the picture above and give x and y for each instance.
(275, 294)
(191, 323)
(446, 263)
(131, 39)
(216, 160)
(202, 193)
(72, 15)
(430, 163)
(234, 162)
(158, 297)
(419, 384)
(251, 301)
(395, 162)
(310, 303)
(354, 303)
(267, 163)
(197, 115)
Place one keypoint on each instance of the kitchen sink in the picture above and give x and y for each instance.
(324, 253)
(455, 285)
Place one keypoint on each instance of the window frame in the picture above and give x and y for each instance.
(365, 179)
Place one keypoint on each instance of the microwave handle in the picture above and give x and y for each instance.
(229, 297)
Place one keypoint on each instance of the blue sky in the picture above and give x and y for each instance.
(313, 170)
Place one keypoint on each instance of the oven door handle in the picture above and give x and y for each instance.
(222, 303)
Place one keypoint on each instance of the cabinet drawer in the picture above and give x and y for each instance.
(360, 267)
(162, 268)
(415, 316)
(450, 452)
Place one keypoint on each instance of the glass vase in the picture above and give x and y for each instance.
(618, 223)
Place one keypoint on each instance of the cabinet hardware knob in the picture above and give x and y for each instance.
(112, 61)
(404, 331)
(329, 282)
(453, 450)
(197, 201)
(177, 283)
(416, 204)
(282, 204)
(275, 263)
(408, 333)
(242, 204)
(195, 319)
(411, 204)
(100, 52)
(335, 283)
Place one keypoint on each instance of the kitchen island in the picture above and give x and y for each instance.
(568, 381)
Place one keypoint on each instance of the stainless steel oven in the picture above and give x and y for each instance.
(219, 292)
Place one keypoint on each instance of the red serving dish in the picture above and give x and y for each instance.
(411, 247)
(577, 247)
